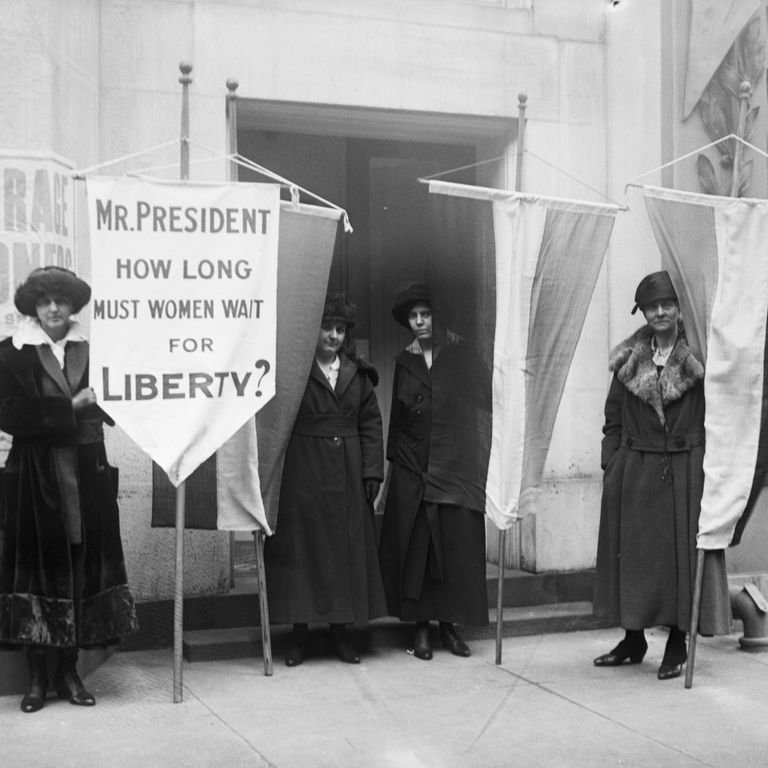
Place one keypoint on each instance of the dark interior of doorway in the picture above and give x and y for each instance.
(377, 182)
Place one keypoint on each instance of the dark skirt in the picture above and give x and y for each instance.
(438, 571)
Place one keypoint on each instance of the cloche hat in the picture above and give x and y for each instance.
(654, 287)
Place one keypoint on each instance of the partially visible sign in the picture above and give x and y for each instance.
(183, 311)
(37, 225)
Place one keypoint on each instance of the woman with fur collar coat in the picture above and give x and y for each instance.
(63, 583)
(652, 457)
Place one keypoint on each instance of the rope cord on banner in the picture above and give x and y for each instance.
(80, 173)
(532, 154)
(631, 182)
(294, 188)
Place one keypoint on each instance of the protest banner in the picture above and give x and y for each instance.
(37, 222)
(183, 314)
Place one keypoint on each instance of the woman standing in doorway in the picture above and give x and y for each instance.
(322, 559)
(62, 574)
(432, 554)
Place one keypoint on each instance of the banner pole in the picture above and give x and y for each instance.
(745, 93)
(522, 103)
(178, 597)
(258, 536)
(694, 618)
(233, 173)
(500, 594)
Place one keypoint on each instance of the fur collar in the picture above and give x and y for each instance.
(632, 360)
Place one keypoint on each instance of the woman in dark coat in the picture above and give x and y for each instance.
(432, 554)
(62, 574)
(652, 455)
(321, 562)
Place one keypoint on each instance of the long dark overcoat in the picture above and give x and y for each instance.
(56, 454)
(432, 554)
(321, 562)
(652, 456)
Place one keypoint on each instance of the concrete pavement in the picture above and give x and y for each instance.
(546, 705)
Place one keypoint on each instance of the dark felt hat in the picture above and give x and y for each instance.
(407, 298)
(47, 281)
(654, 287)
(338, 307)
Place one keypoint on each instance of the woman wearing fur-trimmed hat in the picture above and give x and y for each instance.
(652, 456)
(62, 575)
(321, 563)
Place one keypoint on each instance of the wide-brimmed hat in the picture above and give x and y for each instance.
(654, 287)
(339, 308)
(46, 281)
(418, 293)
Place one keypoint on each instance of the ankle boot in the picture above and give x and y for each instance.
(68, 682)
(297, 645)
(341, 645)
(632, 648)
(34, 698)
(422, 644)
(675, 655)
(452, 641)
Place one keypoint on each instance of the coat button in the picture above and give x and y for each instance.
(418, 411)
(412, 444)
(336, 440)
(419, 397)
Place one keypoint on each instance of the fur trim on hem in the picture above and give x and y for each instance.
(107, 616)
(34, 620)
(632, 361)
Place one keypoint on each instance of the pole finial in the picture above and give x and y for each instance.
(522, 99)
(185, 67)
(232, 85)
(745, 89)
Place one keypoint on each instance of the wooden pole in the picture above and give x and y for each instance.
(522, 103)
(500, 595)
(266, 638)
(694, 617)
(178, 598)
(745, 93)
(233, 173)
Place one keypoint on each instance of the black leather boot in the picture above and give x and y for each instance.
(452, 641)
(34, 698)
(422, 643)
(675, 655)
(68, 682)
(632, 648)
(341, 646)
(297, 645)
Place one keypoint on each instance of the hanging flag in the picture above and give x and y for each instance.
(183, 316)
(238, 488)
(715, 251)
(529, 290)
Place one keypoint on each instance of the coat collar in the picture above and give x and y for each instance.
(347, 371)
(632, 361)
(413, 362)
(75, 364)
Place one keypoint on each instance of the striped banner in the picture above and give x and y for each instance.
(716, 251)
(548, 253)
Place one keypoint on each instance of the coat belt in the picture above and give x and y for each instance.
(674, 443)
(327, 426)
